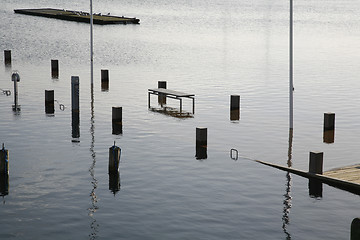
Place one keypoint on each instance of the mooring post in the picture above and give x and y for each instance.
(49, 102)
(117, 120)
(329, 121)
(234, 107)
(161, 97)
(316, 162)
(75, 94)
(329, 127)
(201, 143)
(4, 160)
(15, 77)
(104, 79)
(7, 56)
(355, 229)
(75, 109)
(114, 159)
(54, 68)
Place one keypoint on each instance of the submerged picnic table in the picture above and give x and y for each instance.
(172, 94)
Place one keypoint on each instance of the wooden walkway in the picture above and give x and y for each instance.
(77, 16)
(349, 174)
(342, 178)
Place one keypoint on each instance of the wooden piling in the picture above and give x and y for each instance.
(75, 107)
(104, 80)
(7, 56)
(117, 120)
(15, 77)
(4, 160)
(114, 159)
(114, 182)
(75, 93)
(201, 143)
(49, 102)
(355, 229)
(54, 68)
(234, 107)
(161, 97)
(4, 184)
(316, 162)
(329, 121)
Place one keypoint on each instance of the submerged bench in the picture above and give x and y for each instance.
(172, 94)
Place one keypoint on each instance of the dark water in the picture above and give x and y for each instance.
(59, 188)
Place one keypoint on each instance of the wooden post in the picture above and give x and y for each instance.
(161, 97)
(54, 68)
(355, 229)
(15, 77)
(329, 128)
(49, 102)
(201, 143)
(75, 109)
(234, 107)
(114, 159)
(117, 120)
(7, 56)
(75, 94)
(4, 160)
(316, 162)
(104, 80)
(4, 184)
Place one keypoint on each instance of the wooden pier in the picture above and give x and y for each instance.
(343, 178)
(77, 16)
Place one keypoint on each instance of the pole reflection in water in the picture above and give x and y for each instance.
(287, 195)
(93, 208)
(114, 182)
(4, 185)
(355, 229)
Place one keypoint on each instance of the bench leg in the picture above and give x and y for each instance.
(180, 105)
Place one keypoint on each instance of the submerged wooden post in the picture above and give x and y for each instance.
(234, 107)
(201, 143)
(75, 108)
(355, 229)
(4, 160)
(316, 162)
(117, 120)
(54, 68)
(161, 97)
(329, 128)
(104, 80)
(7, 57)
(114, 159)
(49, 102)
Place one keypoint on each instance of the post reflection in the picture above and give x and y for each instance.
(287, 195)
(93, 208)
(315, 188)
(4, 184)
(114, 182)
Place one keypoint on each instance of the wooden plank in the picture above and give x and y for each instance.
(77, 16)
(171, 92)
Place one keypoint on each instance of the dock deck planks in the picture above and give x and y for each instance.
(77, 16)
(350, 173)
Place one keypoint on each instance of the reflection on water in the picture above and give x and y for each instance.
(173, 112)
(315, 188)
(287, 195)
(4, 184)
(94, 226)
(329, 136)
(114, 182)
(75, 125)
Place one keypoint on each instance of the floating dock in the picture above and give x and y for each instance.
(77, 16)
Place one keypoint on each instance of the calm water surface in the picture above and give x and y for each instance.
(59, 188)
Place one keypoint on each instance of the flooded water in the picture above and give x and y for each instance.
(59, 186)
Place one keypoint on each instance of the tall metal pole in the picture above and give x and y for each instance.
(91, 45)
(291, 85)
